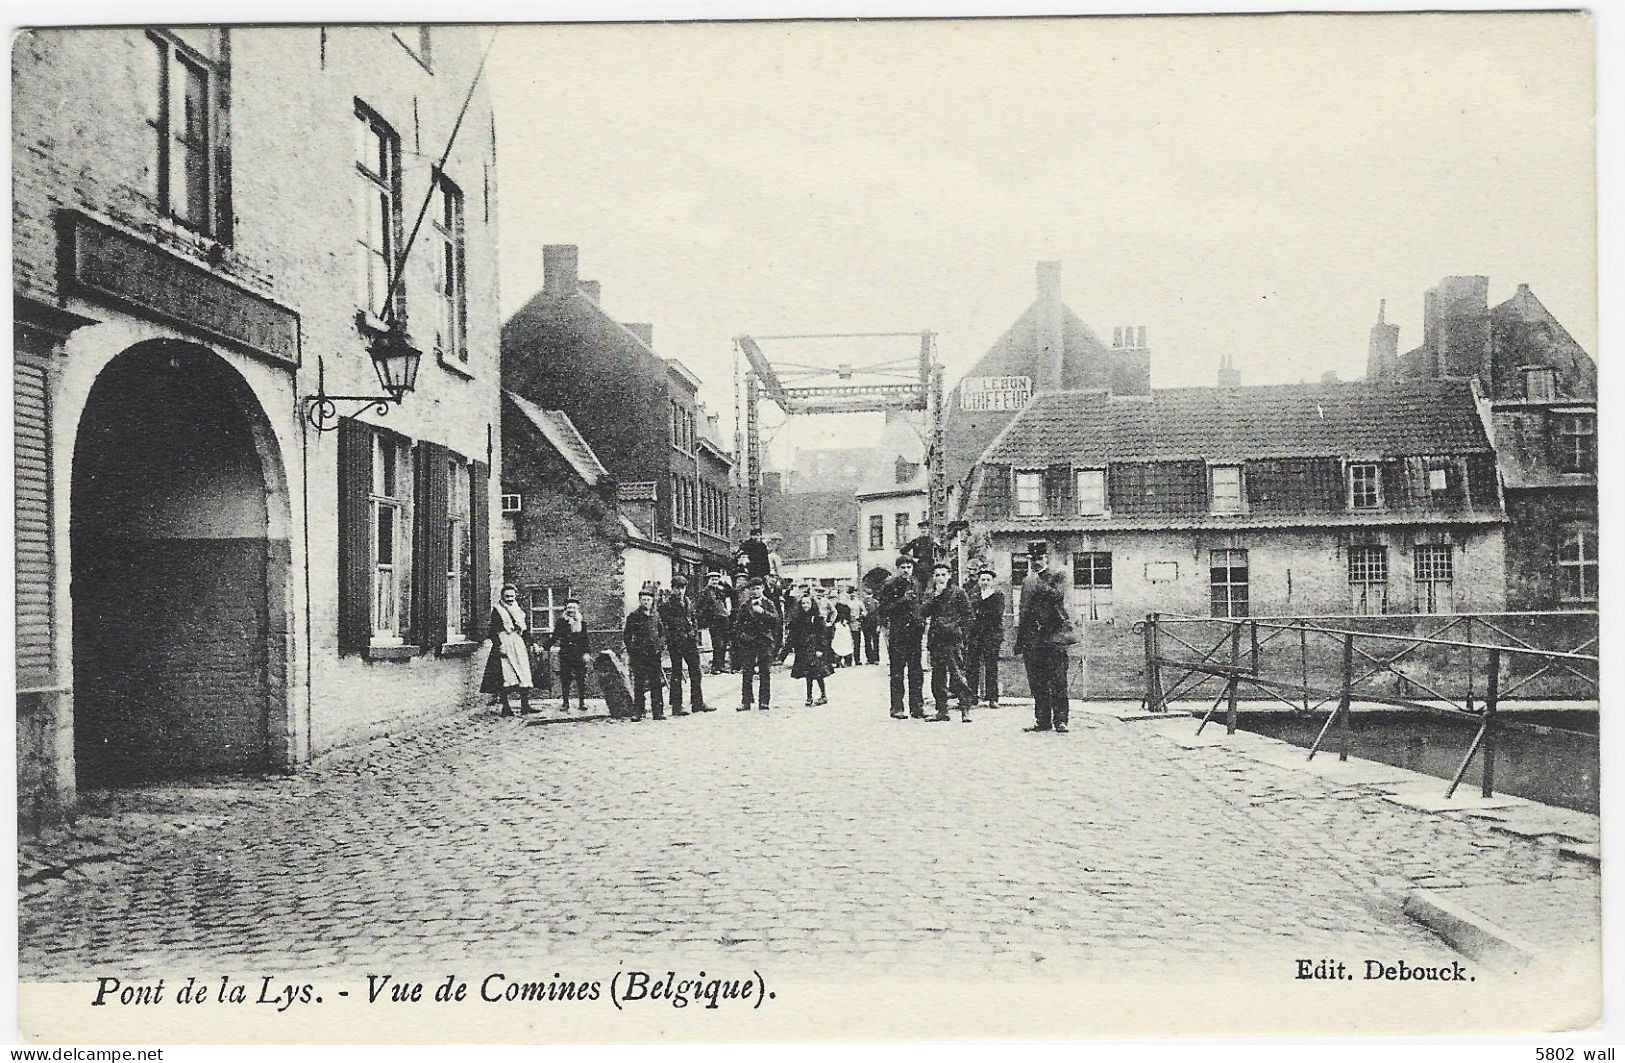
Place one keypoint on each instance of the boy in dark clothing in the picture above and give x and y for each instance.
(756, 634)
(569, 637)
(1042, 639)
(950, 617)
(986, 639)
(644, 640)
(683, 644)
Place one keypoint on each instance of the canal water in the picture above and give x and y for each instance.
(1556, 763)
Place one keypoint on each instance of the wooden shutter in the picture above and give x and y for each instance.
(431, 551)
(993, 501)
(479, 526)
(355, 536)
(224, 218)
(1058, 489)
(35, 599)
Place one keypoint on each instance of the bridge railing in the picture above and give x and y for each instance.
(1465, 665)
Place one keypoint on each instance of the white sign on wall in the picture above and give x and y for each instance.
(995, 392)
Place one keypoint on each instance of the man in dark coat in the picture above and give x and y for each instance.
(986, 639)
(714, 610)
(644, 640)
(923, 549)
(754, 551)
(1042, 639)
(870, 625)
(949, 615)
(683, 644)
(900, 608)
(569, 637)
(756, 634)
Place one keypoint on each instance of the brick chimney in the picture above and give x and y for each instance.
(1051, 339)
(1229, 375)
(591, 290)
(643, 330)
(559, 268)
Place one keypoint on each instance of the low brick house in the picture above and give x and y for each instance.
(1285, 500)
(564, 530)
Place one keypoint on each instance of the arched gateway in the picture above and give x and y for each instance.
(179, 562)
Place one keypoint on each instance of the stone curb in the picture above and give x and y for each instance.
(1469, 933)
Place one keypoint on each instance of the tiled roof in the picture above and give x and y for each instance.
(557, 428)
(1234, 424)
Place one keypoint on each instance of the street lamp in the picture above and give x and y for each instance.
(396, 362)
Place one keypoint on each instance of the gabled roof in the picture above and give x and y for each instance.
(561, 432)
(1234, 424)
(900, 440)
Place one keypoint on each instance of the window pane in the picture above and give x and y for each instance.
(386, 535)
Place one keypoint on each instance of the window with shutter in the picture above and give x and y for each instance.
(432, 534)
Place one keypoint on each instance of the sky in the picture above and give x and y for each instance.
(1246, 186)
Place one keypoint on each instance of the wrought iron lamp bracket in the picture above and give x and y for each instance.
(322, 411)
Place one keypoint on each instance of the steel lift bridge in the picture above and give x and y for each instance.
(800, 388)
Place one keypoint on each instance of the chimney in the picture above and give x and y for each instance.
(559, 265)
(1117, 336)
(643, 330)
(1330, 377)
(1229, 375)
(1140, 338)
(1051, 341)
(1382, 353)
(590, 289)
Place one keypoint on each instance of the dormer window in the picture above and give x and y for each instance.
(1225, 488)
(1365, 485)
(1091, 485)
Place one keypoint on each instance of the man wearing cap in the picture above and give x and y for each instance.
(756, 644)
(923, 549)
(755, 552)
(900, 603)
(1042, 639)
(715, 608)
(644, 640)
(948, 612)
(683, 644)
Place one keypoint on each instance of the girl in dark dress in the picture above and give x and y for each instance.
(809, 634)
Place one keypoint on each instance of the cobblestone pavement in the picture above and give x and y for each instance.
(806, 835)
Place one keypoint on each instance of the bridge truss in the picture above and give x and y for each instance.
(802, 388)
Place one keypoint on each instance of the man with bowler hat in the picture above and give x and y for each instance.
(1042, 639)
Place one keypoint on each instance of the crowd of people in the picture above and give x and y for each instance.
(755, 620)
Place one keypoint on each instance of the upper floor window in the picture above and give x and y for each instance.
(822, 544)
(1226, 488)
(900, 529)
(183, 121)
(1577, 562)
(1577, 442)
(451, 330)
(378, 229)
(877, 532)
(1539, 382)
(1029, 493)
(1091, 491)
(1365, 485)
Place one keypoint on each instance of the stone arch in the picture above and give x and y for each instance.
(178, 535)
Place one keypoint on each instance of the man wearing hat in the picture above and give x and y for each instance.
(715, 607)
(1042, 639)
(683, 644)
(756, 644)
(949, 614)
(900, 604)
(923, 549)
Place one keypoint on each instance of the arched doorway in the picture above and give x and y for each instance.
(173, 571)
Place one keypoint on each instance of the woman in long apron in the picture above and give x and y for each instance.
(508, 668)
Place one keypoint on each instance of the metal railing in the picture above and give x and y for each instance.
(1168, 678)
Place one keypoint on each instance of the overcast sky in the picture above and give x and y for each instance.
(1247, 186)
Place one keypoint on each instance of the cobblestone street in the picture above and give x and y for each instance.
(806, 835)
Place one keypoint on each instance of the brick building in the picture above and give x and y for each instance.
(1296, 499)
(1048, 348)
(639, 412)
(565, 532)
(1539, 401)
(810, 511)
(205, 582)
